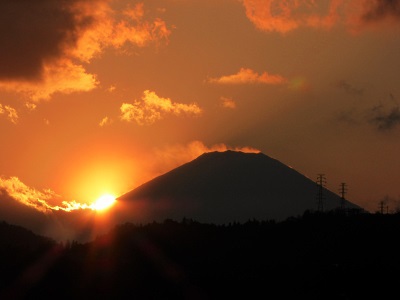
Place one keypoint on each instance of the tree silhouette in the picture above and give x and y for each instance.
(317, 255)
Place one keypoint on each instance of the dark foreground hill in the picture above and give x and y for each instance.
(316, 256)
(223, 187)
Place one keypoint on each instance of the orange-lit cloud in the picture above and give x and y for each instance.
(63, 76)
(10, 112)
(142, 32)
(228, 103)
(111, 89)
(286, 15)
(30, 105)
(26, 195)
(248, 76)
(48, 42)
(152, 108)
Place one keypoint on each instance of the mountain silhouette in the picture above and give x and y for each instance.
(224, 187)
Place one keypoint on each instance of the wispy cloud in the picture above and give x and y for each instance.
(348, 88)
(188, 152)
(105, 121)
(166, 158)
(10, 112)
(228, 103)
(63, 35)
(111, 88)
(248, 76)
(152, 108)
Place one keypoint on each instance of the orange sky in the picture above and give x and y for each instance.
(98, 96)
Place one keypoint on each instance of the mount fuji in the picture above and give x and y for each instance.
(224, 187)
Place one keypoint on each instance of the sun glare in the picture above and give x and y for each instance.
(103, 202)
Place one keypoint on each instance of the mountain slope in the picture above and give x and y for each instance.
(222, 187)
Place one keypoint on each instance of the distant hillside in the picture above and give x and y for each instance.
(14, 212)
(15, 236)
(223, 187)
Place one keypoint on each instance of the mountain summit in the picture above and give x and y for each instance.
(223, 187)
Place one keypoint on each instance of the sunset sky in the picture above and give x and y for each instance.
(100, 96)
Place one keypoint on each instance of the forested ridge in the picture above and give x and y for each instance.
(317, 255)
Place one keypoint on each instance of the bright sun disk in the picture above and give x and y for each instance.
(103, 202)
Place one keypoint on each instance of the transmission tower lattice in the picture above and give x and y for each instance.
(321, 182)
(343, 191)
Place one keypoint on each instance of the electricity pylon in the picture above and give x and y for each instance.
(343, 191)
(321, 182)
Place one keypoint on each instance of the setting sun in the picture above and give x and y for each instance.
(103, 202)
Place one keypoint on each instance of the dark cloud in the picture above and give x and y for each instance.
(34, 32)
(384, 117)
(350, 116)
(356, 15)
(381, 9)
(348, 88)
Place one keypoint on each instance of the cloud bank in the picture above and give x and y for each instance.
(47, 42)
